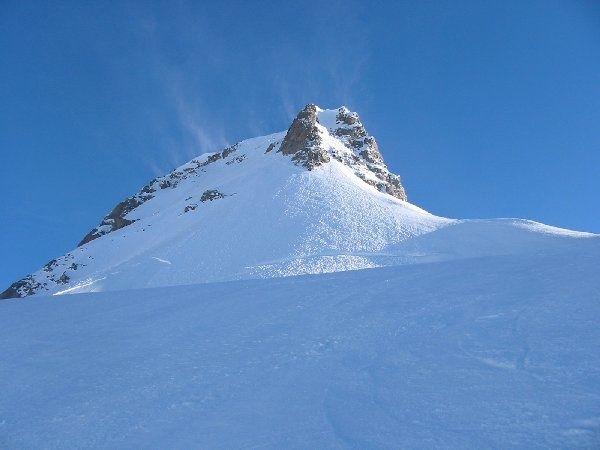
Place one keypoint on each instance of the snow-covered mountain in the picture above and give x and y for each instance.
(459, 333)
(317, 198)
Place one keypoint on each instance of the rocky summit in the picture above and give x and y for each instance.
(305, 142)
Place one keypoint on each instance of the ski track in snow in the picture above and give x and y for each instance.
(164, 261)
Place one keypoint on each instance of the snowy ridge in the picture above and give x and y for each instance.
(315, 199)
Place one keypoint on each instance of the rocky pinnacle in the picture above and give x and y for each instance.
(303, 140)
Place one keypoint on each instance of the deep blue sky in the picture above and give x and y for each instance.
(486, 109)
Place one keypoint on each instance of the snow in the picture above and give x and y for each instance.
(492, 351)
(328, 118)
(542, 228)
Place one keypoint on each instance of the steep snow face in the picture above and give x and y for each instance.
(317, 198)
(491, 352)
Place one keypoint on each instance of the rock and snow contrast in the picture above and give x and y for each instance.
(318, 198)
(188, 324)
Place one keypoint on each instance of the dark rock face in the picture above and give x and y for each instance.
(117, 219)
(303, 140)
(63, 279)
(22, 288)
(303, 129)
(365, 154)
(347, 117)
(210, 195)
(114, 220)
(54, 272)
(207, 196)
(304, 143)
(237, 159)
(228, 151)
(50, 265)
(311, 157)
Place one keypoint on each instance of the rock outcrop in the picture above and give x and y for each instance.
(304, 141)
(117, 218)
(350, 130)
(210, 195)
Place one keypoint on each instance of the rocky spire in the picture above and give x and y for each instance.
(350, 130)
(303, 140)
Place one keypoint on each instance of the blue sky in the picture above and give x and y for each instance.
(486, 109)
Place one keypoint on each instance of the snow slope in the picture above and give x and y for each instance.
(471, 352)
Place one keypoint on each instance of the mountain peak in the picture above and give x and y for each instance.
(303, 140)
(314, 138)
(309, 190)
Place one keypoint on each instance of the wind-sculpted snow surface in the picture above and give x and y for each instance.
(475, 352)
